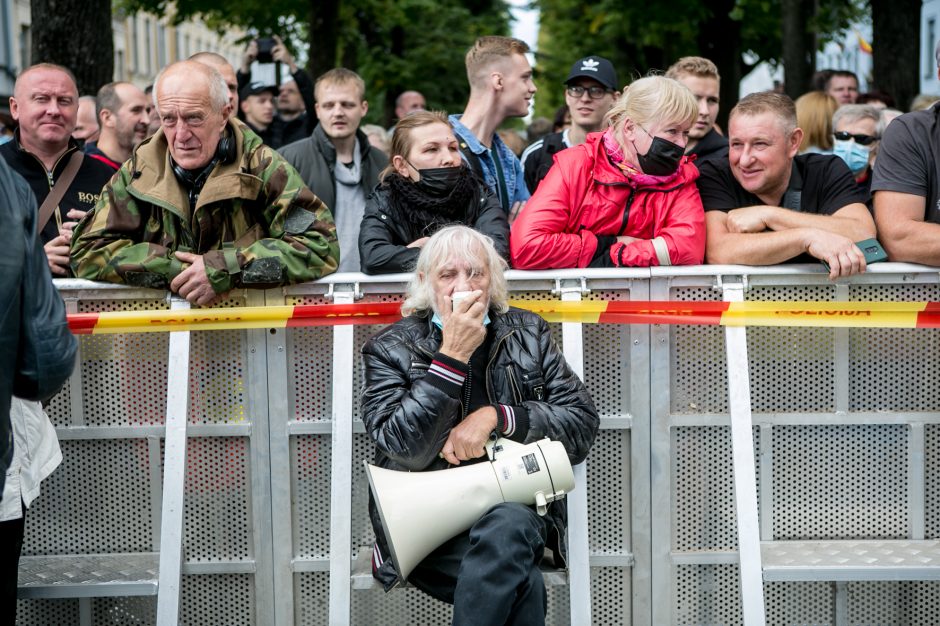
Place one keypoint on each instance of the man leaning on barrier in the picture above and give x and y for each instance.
(766, 205)
(438, 385)
(203, 206)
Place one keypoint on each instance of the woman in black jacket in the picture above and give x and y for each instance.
(425, 186)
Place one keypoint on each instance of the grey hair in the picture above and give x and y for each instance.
(218, 90)
(467, 245)
(857, 112)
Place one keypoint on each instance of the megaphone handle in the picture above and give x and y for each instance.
(541, 505)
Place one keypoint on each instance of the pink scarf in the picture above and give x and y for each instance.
(630, 171)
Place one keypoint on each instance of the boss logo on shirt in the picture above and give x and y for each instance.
(88, 198)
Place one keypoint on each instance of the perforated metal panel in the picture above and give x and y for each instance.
(608, 470)
(697, 362)
(311, 457)
(217, 500)
(611, 594)
(908, 603)
(310, 367)
(932, 481)
(787, 604)
(211, 600)
(704, 517)
(124, 376)
(46, 612)
(97, 501)
(894, 369)
(707, 595)
(362, 534)
(835, 482)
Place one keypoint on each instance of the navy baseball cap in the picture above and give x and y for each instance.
(254, 89)
(598, 68)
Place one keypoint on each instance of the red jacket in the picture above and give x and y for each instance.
(585, 202)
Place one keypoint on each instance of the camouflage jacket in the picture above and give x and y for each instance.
(255, 222)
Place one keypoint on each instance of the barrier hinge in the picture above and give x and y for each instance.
(738, 280)
(570, 285)
(332, 292)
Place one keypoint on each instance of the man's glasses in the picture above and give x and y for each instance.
(862, 140)
(595, 93)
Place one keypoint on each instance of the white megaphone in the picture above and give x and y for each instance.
(422, 510)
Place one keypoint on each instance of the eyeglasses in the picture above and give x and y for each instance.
(595, 93)
(862, 140)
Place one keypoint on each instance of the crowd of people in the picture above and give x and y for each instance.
(207, 181)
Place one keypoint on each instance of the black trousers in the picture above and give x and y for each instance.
(11, 544)
(491, 572)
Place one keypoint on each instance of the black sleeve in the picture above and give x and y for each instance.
(836, 186)
(46, 353)
(380, 250)
(305, 87)
(601, 256)
(902, 165)
(492, 222)
(716, 186)
(243, 79)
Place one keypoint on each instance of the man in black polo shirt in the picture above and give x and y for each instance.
(906, 186)
(766, 205)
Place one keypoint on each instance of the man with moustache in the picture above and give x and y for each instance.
(701, 77)
(122, 110)
(204, 207)
(45, 103)
(766, 205)
(590, 90)
(501, 86)
(337, 161)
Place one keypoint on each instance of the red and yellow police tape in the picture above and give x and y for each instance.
(783, 313)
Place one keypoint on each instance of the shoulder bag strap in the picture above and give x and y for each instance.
(58, 189)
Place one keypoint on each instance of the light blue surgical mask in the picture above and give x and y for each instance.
(854, 155)
(439, 322)
(5, 139)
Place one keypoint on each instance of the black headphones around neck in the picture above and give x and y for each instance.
(226, 152)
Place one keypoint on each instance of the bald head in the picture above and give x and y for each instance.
(223, 67)
(45, 103)
(192, 75)
(86, 127)
(194, 108)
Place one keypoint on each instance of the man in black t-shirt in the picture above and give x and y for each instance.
(765, 205)
(906, 186)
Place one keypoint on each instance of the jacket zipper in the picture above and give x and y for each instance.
(489, 392)
(516, 392)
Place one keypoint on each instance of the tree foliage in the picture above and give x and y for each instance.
(393, 45)
(639, 36)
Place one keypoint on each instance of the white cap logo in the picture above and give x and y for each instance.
(589, 65)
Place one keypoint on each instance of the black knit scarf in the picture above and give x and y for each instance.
(422, 210)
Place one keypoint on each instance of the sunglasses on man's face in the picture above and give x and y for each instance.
(862, 140)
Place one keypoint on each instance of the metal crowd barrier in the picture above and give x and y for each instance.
(763, 475)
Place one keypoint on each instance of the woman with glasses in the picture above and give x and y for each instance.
(626, 197)
(426, 186)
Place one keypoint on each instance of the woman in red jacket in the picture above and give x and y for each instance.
(625, 197)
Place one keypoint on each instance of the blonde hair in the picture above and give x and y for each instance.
(693, 66)
(340, 76)
(778, 104)
(401, 137)
(487, 50)
(653, 99)
(814, 115)
(468, 245)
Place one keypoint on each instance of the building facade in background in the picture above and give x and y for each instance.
(143, 44)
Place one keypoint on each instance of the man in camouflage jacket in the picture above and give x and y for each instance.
(204, 206)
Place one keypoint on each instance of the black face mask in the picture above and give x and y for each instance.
(662, 159)
(439, 182)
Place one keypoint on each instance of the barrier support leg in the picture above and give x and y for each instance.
(174, 476)
(745, 479)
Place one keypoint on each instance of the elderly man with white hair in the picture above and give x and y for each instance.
(460, 368)
(857, 129)
(203, 206)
